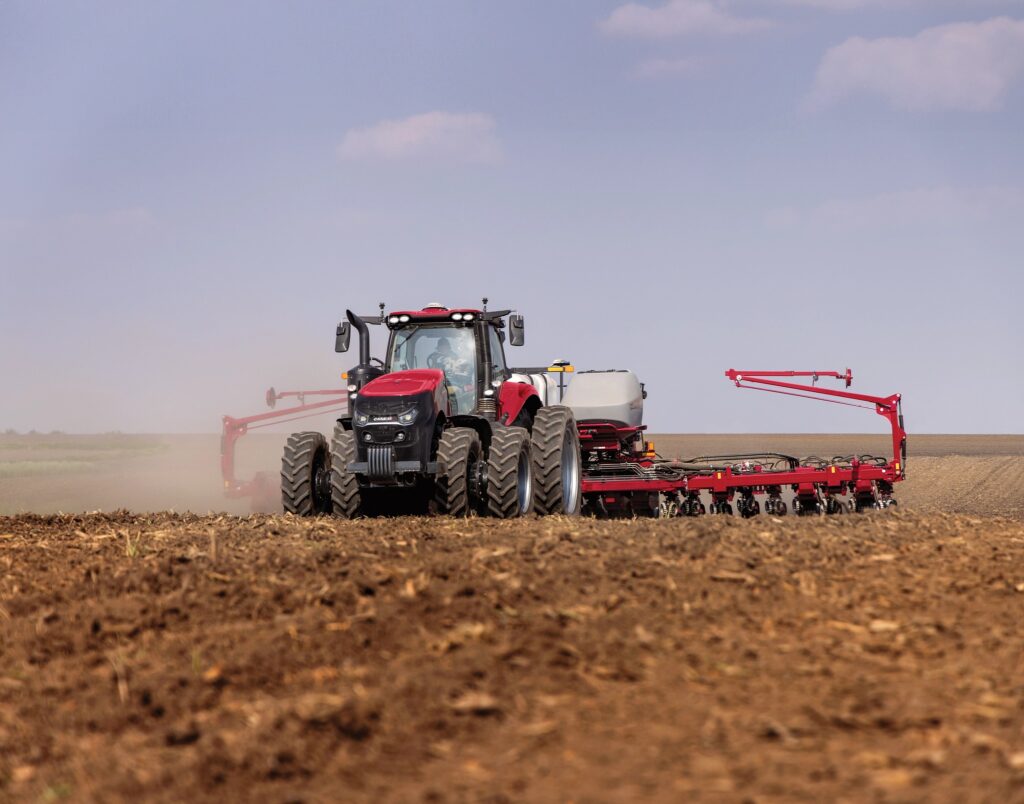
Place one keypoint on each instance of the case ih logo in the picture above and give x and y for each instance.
(382, 418)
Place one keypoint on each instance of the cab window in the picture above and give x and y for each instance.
(498, 368)
(448, 347)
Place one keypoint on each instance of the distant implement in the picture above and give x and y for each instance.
(443, 425)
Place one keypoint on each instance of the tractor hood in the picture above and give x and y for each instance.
(404, 383)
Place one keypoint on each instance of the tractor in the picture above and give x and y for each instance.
(442, 424)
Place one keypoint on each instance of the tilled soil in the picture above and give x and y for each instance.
(176, 658)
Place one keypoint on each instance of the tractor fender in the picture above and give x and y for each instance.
(515, 397)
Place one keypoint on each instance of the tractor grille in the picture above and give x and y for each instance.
(383, 433)
(380, 463)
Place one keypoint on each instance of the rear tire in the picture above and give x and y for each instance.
(346, 495)
(305, 475)
(557, 474)
(459, 457)
(509, 473)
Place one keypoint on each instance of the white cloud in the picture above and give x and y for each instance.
(442, 136)
(964, 65)
(657, 68)
(852, 5)
(841, 5)
(678, 18)
(935, 206)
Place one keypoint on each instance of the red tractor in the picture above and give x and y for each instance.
(442, 423)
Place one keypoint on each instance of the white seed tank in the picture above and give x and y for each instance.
(610, 396)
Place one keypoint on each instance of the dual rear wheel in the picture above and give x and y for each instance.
(523, 471)
(500, 485)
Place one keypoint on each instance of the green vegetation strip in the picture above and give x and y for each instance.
(33, 468)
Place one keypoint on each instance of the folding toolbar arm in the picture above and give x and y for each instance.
(236, 428)
(887, 406)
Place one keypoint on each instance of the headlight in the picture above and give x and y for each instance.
(467, 317)
(362, 418)
(456, 316)
(408, 417)
(404, 319)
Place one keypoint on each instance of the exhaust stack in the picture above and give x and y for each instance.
(364, 337)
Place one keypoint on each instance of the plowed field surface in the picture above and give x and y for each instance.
(187, 658)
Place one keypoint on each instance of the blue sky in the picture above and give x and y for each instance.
(192, 193)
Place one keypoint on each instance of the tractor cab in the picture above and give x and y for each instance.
(463, 346)
(452, 349)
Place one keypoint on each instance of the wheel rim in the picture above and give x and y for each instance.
(321, 482)
(570, 473)
(524, 483)
(475, 473)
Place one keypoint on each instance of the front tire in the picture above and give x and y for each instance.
(346, 495)
(305, 475)
(459, 457)
(557, 475)
(509, 473)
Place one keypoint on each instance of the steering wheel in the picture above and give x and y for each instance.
(459, 374)
(432, 360)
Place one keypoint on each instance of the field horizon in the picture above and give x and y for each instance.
(50, 473)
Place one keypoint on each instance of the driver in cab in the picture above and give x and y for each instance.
(458, 372)
(444, 357)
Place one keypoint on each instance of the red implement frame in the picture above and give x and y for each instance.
(234, 429)
(888, 406)
(749, 478)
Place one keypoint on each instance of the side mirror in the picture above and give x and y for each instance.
(342, 337)
(516, 335)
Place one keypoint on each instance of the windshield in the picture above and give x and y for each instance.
(442, 346)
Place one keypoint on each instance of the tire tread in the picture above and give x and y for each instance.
(507, 445)
(346, 496)
(549, 428)
(297, 492)
(452, 490)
